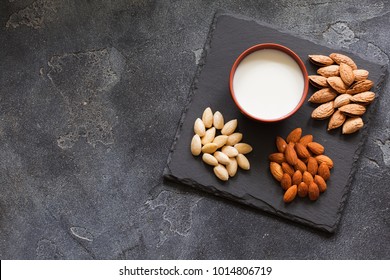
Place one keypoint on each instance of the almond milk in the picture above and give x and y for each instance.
(268, 84)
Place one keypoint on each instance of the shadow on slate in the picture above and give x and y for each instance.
(229, 36)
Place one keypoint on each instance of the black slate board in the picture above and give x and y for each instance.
(229, 36)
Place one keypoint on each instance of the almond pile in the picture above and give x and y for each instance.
(222, 150)
(344, 92)
(300, 166)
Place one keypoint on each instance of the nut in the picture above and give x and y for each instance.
(218, 121)
(321, 60)
(306, 139)
(229, 127)
(276, 170)
(221, 172)
(336, 120)
(287, 168)
(301, 166)
(199, 127)
(302, 189)
(196, 145)
(323, 158)
(341, 58)
(341, 100)
(220, 140)
(301, 150)
(323, 111)
(307, 178)
(281, 144)
(320, 183)
(290, 154)
(207, 117)
(243, 162)
(352, 125)
(312, 166)
(243, 148)
(232, 167)
(337, 84)
(314, 192)
(222, 158)
(360, 74)
(318, 81)
(297, 177)
(329, 71)
(209, 136)
(290, 194)
(352, 110)
(294, 135)
(323, 95)
(316, 148)
(229, 151)
(360, 86)
(209, 159)
(323, 171)
(286, 181)
(209, 148)
(234, 138)
(277, 157)
(346, 74)
(363, 98)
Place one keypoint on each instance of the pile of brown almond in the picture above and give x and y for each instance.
(344, 92)
(300, 166)
(221, 149)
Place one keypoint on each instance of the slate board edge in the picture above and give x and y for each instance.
(265, 207)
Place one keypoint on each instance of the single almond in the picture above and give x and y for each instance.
(301, 150)
(307, 178)
(276, 170)
(209, 159)
(329, 71)
(209, 136)
(323, 171)
(352, 125)
(232, 167)
(320, 60)
(234, 139)
(318, 81)
(280, 144)
(320, 183)
(301, 166)
(287, 168)
(337, 84)
(218, 121)
(346, 74)
(297, 177)
(277, 157)
(199, 127)
(290, 194)
(222, 158)
(306, 139)
(229, 127)
(323, 95)
(336, 120)
(353, 110)
(207, 117)
(221, 172)
(220, 140)
(316, 148)
(243, 162)
(312, 166)
(314, 191)
(360, 74)
(294, 135)
(341, 100)
(209, 148)
(290, 154)
(302, 189)
(229, 151)
(196, 145)
(341, 58)
(323, 158)
(323, 111)
(286, 181)
(360, 86)
(243, 148)
(364, 97)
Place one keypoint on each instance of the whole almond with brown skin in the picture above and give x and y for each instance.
(323, 95)
(336, 120)
(318, 81)
(306, 139)
(243, 148)
(301, 150)
(346, 74)
(364, 97)
(280, 144)
(360, 74)
(303, 189)
(301, 166)
(290, 194)
(294, 135)
(287, 169)
(360, 86)
(352, 125)
(276, 170)
(196, 145)
(341, 58)
(323, 171)
(218, 120)
(221, 172)
(341, 100)
(286, 181)
(323, 111)
(297, 177)
(353, 110)
(220, 140)
(277, 157)
(314, 191)
(229, 127)
(207, 117)
(307, 178)
(312, 166)
(329, 71)
(290, 154)
(316, 148)
(323, 158)
(320, 60)
(209, 136)
(320, 183)
(337, 84)
(234, 138)
(199, 127)
(243, 162)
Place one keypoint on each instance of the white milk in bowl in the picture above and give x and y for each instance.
(268, 84)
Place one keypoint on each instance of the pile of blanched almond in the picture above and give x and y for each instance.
(344, 92)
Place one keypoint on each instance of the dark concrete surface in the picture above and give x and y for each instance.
(91, 93)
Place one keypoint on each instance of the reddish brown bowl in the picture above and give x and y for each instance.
(275, 47)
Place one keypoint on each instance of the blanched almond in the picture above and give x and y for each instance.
(199, 127)
(209, 159)
(222, 158)
(207, 117)
(229, 127)
(243, 162)
(220, 140)
(243, 148)
(196, 145)
(218, 121)
(221, 172)
(209, 136)
(234, 138)
(209, 148)
(232, 167)
(229, 151)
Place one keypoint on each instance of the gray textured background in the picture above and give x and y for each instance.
(91, 93)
